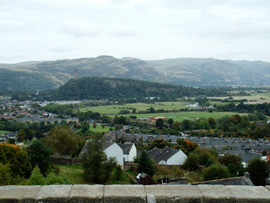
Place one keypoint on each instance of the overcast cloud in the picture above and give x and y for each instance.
(148, 29)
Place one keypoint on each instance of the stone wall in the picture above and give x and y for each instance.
(133, 193)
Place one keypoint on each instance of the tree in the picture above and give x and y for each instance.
(233, 162)
(97, 167)
(40, 155)
(17, 159)
(216, 171)
(259, 171)
(159, 143)
(62, 140)
(212, 123)
(5, 175)
(160, 123)
(94, 125)
(170, 122)
(85, 126)
(145, 164)
(191, 162)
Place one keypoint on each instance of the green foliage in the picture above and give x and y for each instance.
(145, 164)
(233, 162)
(191, 162)
(160, 123)
(62, 140)
(216, 171)
(97, 167)
(52, 178)
(5, 175)
(118, 173)
(194, 177)
(36, 177)
(17, 159)
(259, 171)
(159, 143)
(40, 155)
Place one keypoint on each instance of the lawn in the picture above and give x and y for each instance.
(74, 175)
(100, 129)
(115, 109)
(2, 132)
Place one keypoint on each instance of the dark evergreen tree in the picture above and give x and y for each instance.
(259, 171)
(40, 155)
(145, 164)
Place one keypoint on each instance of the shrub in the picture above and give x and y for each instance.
(216, 171)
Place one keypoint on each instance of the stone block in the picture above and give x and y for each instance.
(173, 193)
(216, 194)
(53, 193)
(250, 193)
(86, 193)
(15, 193)
(124, 193)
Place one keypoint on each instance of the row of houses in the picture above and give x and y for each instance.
(124, 153)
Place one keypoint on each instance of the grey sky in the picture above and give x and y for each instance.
(147, 29)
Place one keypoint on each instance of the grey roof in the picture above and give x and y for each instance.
(162, 154)
(126, 147)
(106, 145)
(246, 156)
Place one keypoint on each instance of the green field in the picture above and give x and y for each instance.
(100, 129)
(180, 116)
(114, 109)
(252, 98)
(2, 132)
(74, 175)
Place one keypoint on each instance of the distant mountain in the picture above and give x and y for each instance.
(60, 71)
(184, 71)
(212, 72)
(119, 88)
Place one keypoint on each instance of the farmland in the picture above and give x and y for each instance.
(112, 110)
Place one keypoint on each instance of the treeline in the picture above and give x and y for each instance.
(246, 108)
(127, 90)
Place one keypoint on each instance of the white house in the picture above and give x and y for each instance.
(130, 152)
(113, 150)
(168, 156)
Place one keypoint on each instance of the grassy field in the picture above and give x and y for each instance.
(180, 116)
(114, 109)
(100, 129)
(74, 174)
(2, 132)
(252, 98)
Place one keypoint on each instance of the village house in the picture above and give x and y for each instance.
(168, 156)
(130, 152)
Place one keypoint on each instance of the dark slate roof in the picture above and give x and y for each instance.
(246, 156)
(162, 154)
(107, 145)
(126, 147)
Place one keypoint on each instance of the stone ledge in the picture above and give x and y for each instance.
(133, 193)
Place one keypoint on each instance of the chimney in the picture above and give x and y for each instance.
(247, 175)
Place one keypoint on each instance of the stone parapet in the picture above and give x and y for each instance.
(133, 193)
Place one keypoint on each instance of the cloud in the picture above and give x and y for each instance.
(78, 30)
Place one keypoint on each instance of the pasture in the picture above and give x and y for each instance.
(253, 98)
(115, 109)
(180, 116)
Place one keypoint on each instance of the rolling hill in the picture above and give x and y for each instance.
(181, 71)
